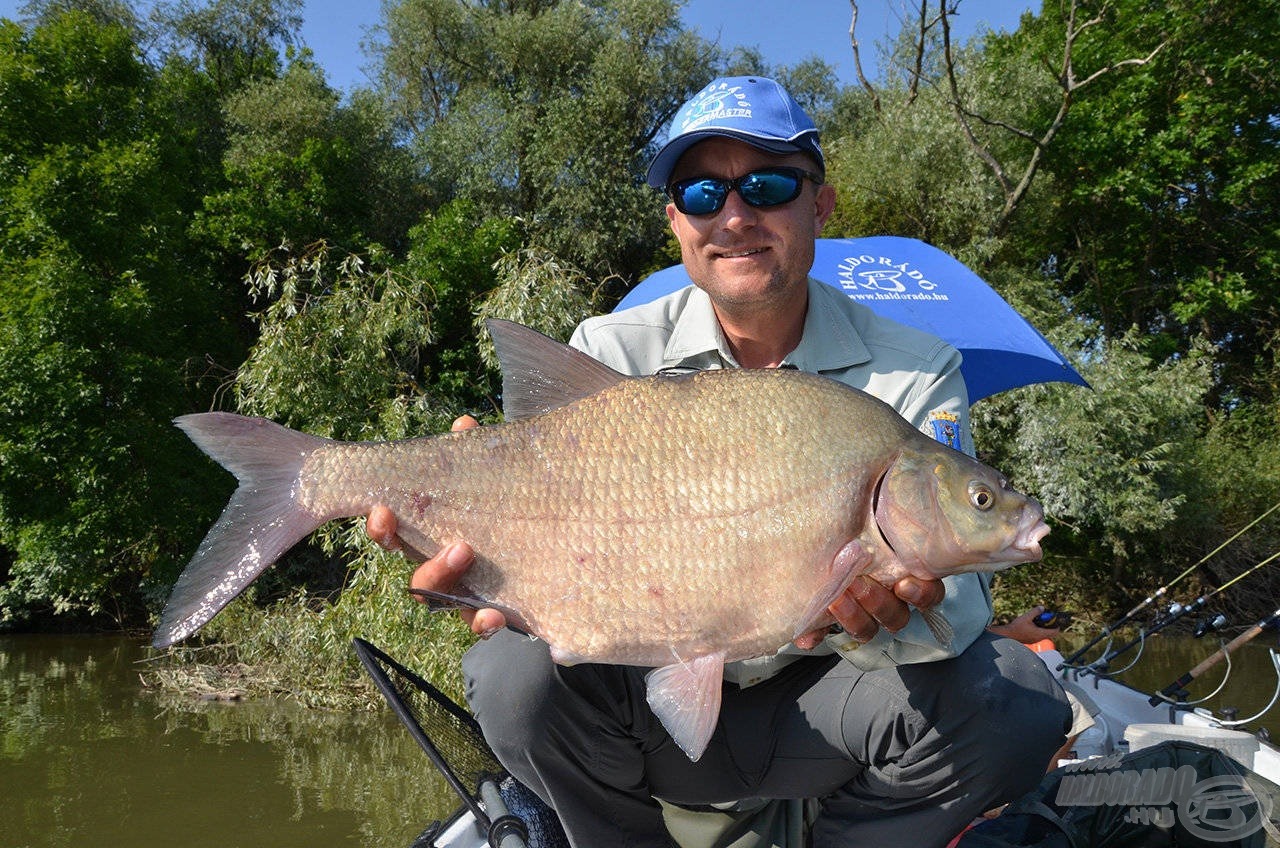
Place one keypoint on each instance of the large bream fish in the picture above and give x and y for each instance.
(674, 522)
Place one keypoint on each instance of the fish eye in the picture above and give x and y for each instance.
(981, 496)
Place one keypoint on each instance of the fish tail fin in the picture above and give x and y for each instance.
(262, 520)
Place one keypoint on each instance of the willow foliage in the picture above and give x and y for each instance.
(1116, 466)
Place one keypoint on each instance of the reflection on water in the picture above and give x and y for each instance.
(87, 757)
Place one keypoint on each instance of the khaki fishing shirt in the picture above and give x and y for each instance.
(914, 372)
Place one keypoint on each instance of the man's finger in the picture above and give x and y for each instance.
(856, 620)
(921, 594)
(809, 641)
(442, 571)
(880, 603)
(486, 622)
(381, 526)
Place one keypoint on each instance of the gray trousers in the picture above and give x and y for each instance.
(907, 755)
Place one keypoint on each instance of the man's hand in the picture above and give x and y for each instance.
(866, 606)
(441, 572)
(1024, 629)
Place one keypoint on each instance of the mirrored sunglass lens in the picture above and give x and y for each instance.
(769, 188)
(701, 196)
(707, 196)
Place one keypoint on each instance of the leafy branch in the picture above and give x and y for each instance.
(1014, 185)
(1068, 83)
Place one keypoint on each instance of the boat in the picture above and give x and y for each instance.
(496, 810)
(1126, 713)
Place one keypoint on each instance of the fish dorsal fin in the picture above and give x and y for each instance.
(685, 696)
(540, 374)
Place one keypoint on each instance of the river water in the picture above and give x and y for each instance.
(1248, 689)
(88, 757)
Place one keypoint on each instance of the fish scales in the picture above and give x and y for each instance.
(674, 522)
(573, 512)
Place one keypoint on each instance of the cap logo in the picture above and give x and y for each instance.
(715, 103)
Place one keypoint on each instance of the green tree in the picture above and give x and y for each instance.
(1170, 182)
(232, 42)
(930, 188)
(104, 326)
(545, 112)
(365, 346)
(117, 12)
(1162, 181)
(301, 167)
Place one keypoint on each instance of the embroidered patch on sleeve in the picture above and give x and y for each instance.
(945, 427)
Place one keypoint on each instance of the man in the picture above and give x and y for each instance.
(1084, 710)
(901, 739)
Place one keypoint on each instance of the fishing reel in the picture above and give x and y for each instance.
(1050, 619)
(1175, 611)
(1209, 624)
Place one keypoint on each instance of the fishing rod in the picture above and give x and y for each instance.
(1178, 687)
(473, 761)
(1162, 591)
(1176, 612)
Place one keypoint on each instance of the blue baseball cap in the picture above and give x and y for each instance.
(756, 110)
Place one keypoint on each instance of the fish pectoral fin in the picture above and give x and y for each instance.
(939, 626)
(847, 563)
(685, 696)
(560, 656)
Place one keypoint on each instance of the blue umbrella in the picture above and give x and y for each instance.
(917, 284)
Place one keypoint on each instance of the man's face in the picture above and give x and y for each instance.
(744, 255)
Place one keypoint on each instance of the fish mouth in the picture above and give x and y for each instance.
(1031, 529)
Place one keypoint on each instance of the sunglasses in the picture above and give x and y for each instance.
(761, 189)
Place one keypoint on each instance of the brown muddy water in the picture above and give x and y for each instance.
(88, 757)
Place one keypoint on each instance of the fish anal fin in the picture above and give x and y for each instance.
(437, 601)
(441, 601)
(540, 374)
(685, 696)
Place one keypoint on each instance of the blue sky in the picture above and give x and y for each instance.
(785, 32)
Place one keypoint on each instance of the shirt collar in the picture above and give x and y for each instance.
(829, 341)
(696, 334)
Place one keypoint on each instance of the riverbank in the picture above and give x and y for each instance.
(299, 648)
